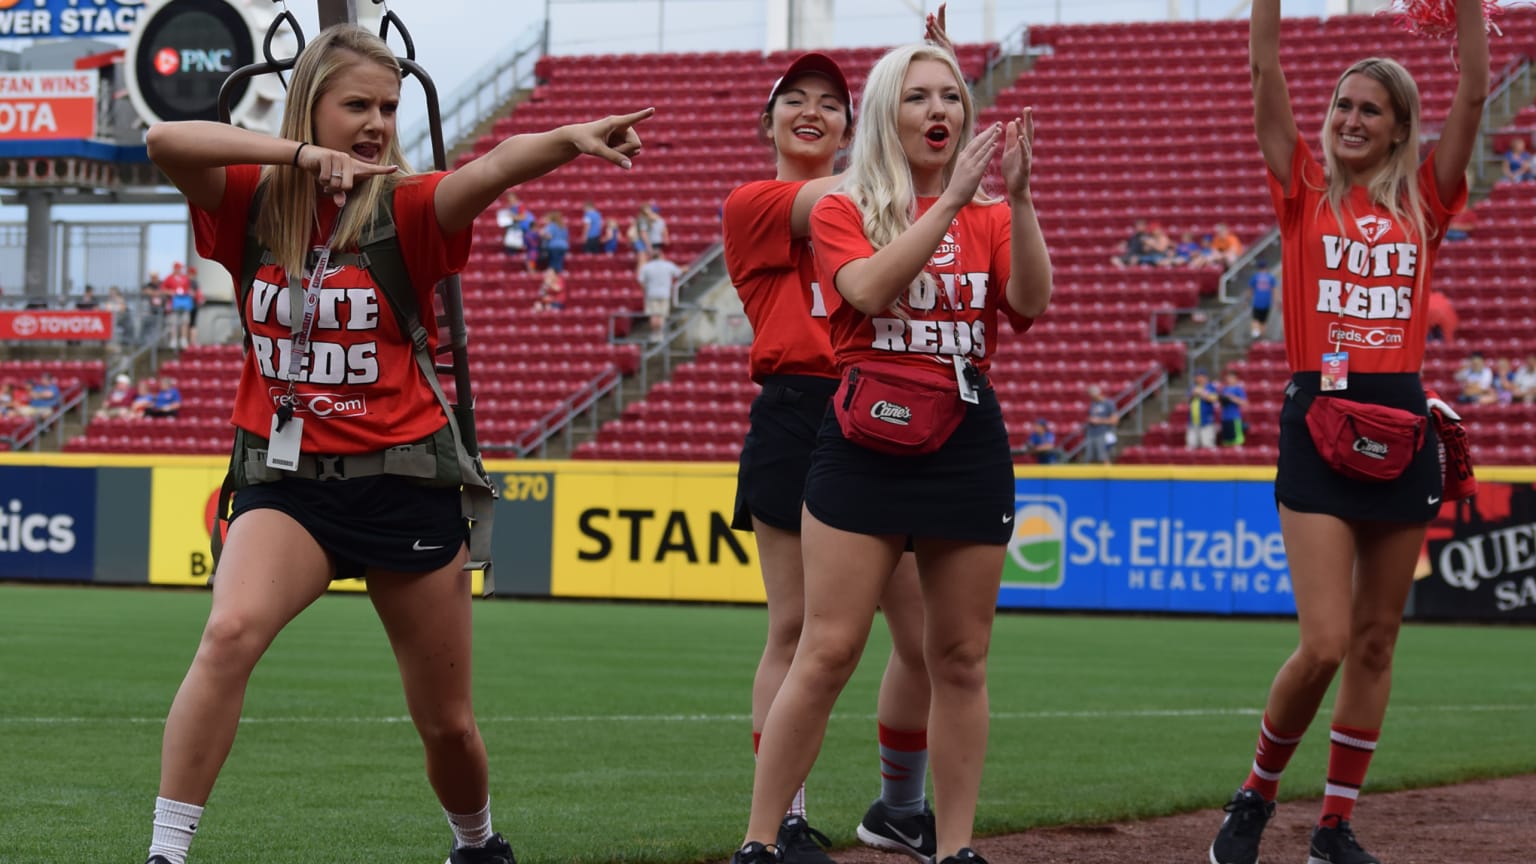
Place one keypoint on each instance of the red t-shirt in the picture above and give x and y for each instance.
(775, 274)
(958, 316)
(1362, 289)
(362, 390)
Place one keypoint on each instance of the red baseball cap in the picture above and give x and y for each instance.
(817, 64)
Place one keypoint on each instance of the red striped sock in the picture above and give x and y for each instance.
(1270, 758)
(903, 769)
(1349, 754)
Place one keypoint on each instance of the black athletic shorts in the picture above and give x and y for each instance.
(384, 522)
(1261, 314)
(785, 419)
(1306, 484)
(962, 491)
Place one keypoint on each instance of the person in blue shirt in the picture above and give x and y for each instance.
(45, 396)
(167, 400)
(1099, 431)
(1234, 398)
(557, 240)
(1204, 412)
(1042, 443)
(592, 227)
(1261, 291)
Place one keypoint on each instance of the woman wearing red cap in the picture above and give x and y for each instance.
(926, 269)
(808, 119)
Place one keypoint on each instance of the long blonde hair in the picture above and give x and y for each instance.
(286, 220)
(1396, 187)
(879, 178)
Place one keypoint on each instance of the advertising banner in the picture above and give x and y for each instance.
(36, 106)
(651, 530)
(83, 325)
(1482, 557)
(47, 523)
(1155, 545)
(99, 19)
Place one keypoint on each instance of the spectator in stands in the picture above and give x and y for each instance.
(1261, 298)
(551, 292)
(1041, 442)
(913, 179)
(1440, 317)
(177, 289)
(1234, 401)
(514, 220)
(403, 530)
(1099, 432)
(657, 236)
(45, 397)
(144, 399)
(87, 299)
(556, 241)
(1204, 412)
(167, 400)
(1159, 246)
(1503, 381)
(122, 316)
(1225, 247)
(154, 302)
(1476, 380)
(20, 396)
(1518, 165)
(639, 234)
(8, 403)
(1138, 247)
(766, 231)
(610, 239)
(119, 400)
(591, 227)
(658, 276)
(1189, 252)
(1353, 545)
(1525, 381)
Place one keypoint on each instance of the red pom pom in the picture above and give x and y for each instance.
(1436, 19)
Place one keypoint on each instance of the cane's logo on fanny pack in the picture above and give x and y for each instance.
(1374, 449)
(890, 412)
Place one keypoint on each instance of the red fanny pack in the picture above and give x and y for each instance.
(1359, 439)
(891, 409)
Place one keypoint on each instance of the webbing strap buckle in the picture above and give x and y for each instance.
(329, 467)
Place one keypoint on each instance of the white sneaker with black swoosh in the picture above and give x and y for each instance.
(913, 835)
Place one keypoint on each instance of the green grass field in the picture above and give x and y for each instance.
(621, 733)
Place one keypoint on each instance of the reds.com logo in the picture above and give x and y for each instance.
(324, 405)
(1366, 337)
(167, 61)
(24, 325)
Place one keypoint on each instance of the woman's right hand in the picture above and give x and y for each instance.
(971, 166)
(337, 172)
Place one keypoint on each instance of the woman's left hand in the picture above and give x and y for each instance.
(1018, 155)
(612, 138)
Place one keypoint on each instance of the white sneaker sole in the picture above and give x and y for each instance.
(885, 844)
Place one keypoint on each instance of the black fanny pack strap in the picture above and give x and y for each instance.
(1300, 396)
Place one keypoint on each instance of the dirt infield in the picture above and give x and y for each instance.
(1486, 822)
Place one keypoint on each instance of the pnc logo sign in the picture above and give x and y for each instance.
(1037, 551)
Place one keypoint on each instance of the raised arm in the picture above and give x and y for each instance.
(1273, 122)
(805, 199)
(1460, 133)
(194, 154)
(1029, 280)
(872, 284)
(465, 193)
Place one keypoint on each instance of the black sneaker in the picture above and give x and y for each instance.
(965, 856)
(1238, 840)
(912, 835)
(799, 843)
(755, 853)
(495, 851)
(1335, 843)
